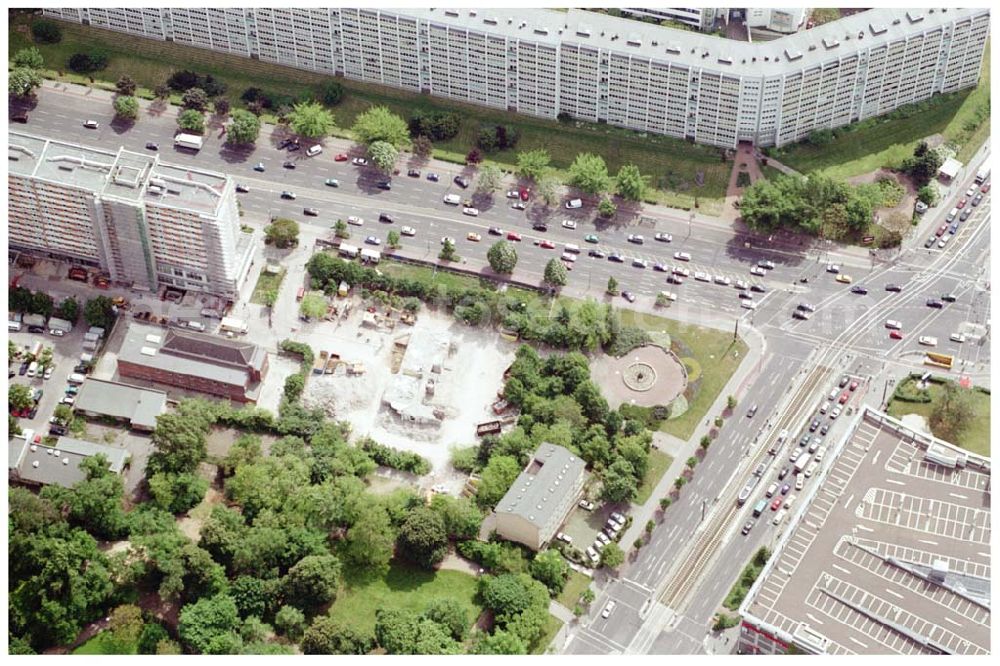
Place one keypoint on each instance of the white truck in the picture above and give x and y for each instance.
(59, 327)
(982, 175)
(189, 141)
(233, 325)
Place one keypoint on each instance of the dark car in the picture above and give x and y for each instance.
(859, 290)
(596, 253)
(413, 173)
(745, 295)
(934, 303)
(19, 117)
(747, 527)
(240, 187)
(33, 413)
(948, 298)
(152, 146)
(385, 217)
(292, 147)
(764, 263)
(462, 181)
(977, 199)
(930, 241)
(311, 212)
(628, 296)
(844, 381)
(289, 165)
(540, 226)
(758, 288)
(287, 195)
(965, 214)
(57, 430)
(617, 258)
(814, 425)
(384, 185)
(783, 473)
(675, 279)
(24, 368)
(893, 287)
(433, 177)
(825, 429)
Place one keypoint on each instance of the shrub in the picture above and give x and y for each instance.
(387, 456)
(46, 32)
(85, 63)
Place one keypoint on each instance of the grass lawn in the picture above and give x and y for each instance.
(975, 438)
(658, 464)
(575, 586)
(552, 627)
(403, 588)
(887, 143)
(672, 164)
(100, 644)
(265, 282)
(713, 355)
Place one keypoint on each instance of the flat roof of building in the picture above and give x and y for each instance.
(140, 406)
(125, 175)
(889, 554)
(60, 464)
(538, 490)
(806, 48)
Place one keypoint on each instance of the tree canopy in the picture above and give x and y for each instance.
(383, 155)
(632, 185)
(311, 120)
(380, 124)
(533, 164)
(590, 173)
(555, 273)
(243, 128)
(126, 107)
(423, 538)
(502, 257)
(283, 232)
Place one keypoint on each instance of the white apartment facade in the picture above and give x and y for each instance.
(144, 222)
(700, 18)
(601, 68)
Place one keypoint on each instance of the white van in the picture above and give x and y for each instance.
(574, 203)
(820, 452)
(800, 481)
(76, 378)
(313, 151)
(452, 199)
(33, 369)
(893, 324)
(669, 295)
(570, 247)
(778, 517)
(568, 256)
(13, 326)
(811, 468)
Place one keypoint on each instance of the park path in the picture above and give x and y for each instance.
(746, 160)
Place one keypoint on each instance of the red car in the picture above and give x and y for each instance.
(547, 244)
(777, 503)
(340, 158)
(985, 188)
(853, 386)
(895, 335)
(961, 204)
(943, 228)
(525, 193)
(844, 397)
(513, 236)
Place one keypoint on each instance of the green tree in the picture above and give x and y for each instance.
(547, 189)
(612, 556)
(731, 402)
(290, 621)
(632, 185)
(533, 164)
(500, 642)
(370, 541)
(206, 621)
(519, 603)
(555, 274)
(194, 98)
(928, 194)
(126, 108)
(311, 120)
(590, 173)
(45, 31)
(243, 128)
(283, 232)
(450, 614)
(221, 106)
(423, 538)
(496, 479)
(502, 257)
(423, 147)
(490, 179)
(42, 303)
(192, 121)
(126, 85)
(380, 124)
(22, 81)
(383, 155)
(448, 252)
(152, 634)
(923, 166)
(612, 286)
(313, 305)
(69, 309)
(606, 207)
(180, 438)
(162, 91)
(95, 503)
(340, 229)
(313, 581)
(953, 412)
(619, 482)
(331, 93)
(327, 636)
(392, 239)
(405, 632)
(29, 57)
(177, 493)
(124, 628)
(19, 396)
(551, 570)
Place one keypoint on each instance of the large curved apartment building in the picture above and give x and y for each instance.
(599, 68)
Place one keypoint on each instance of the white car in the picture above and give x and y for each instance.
(636, 238)
(757, 270)
(355, 220)
(408, 231)
(513, 194)
(836, 412)
(748, 304)
(447, 239)
(468, 210)
(832, 268)
(603, 538)
(927, 340)
(569, 224)
(957, 337)
(702, 277)
(680, 270)
(587, 505)
(359, 161)
(606, 613)
(663, 237)
(373, 240)
(592, 554)
(48, 372)
(682, 256)
(723, 280)
(68, 400)
(564, 537)
(741, 285)
(640, 263)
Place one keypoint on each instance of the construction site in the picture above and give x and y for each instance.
(420, 383)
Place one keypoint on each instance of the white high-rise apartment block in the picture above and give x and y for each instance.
(701, 18)
(144, 222)
(601, 68)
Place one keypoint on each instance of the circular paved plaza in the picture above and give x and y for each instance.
(646, 376)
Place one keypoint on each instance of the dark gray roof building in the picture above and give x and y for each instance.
(138, 406)
(40, 465)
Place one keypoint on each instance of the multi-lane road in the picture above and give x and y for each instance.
(667, 595)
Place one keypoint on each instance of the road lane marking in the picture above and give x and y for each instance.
(928, 541)
(893, 593)
(840, 568)
(895, 482)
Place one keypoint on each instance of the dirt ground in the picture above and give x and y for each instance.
(908, 200)
(671, 379)
(471, 373)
